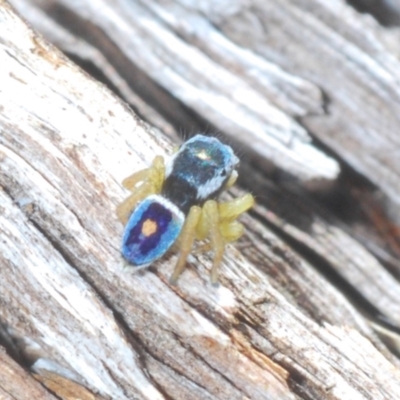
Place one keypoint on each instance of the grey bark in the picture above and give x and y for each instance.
(270, 76)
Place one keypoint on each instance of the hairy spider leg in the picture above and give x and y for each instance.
(206, 247)
(152, 179)
(186, 239)
(229, 211)
(211, 218)
(232, 179)
(216, 221)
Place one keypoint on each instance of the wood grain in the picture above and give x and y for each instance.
(281, 324)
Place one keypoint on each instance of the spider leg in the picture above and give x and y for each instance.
(230, 210)
(152, 179)
(125, 208)
(218, 222)
(131, 181)
(211, 218)
(186, 240)
(232, 179)
(231, 229)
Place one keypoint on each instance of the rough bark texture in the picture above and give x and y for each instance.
(302, 296)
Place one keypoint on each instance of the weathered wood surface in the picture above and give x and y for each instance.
(15, 383)
(264, 74)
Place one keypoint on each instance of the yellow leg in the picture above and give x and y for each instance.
(125, 208)
(131, 181)
(230, 210)
(232, 179)
(231, 231)
(203, 227)
(211, 215)
(154, 174)
(186, 240)
(152, 180)
(218, 222)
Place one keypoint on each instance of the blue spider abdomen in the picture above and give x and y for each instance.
(151, 230)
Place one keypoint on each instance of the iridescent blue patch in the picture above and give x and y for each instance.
(151, 230)
(202, 160)
(198, 171)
